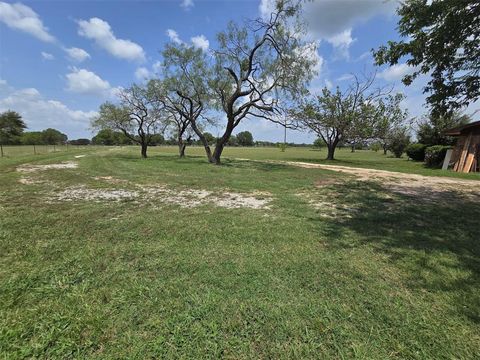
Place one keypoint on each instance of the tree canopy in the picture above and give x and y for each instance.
(441, 38)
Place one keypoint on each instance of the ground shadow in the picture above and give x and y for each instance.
(430, 236)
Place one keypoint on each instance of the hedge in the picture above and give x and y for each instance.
(434, 155)
(416, 152)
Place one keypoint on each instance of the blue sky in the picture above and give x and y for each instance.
(59, 60)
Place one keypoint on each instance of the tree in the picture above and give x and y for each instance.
(319, 143)
(399, 141)
(11, 127)
(139, 116)
(233, 141)
(342, 116)
(80, 142)
(259, 66)
(32, 138)
(245, 138)
(430, 130)
(53, 137)
(390, 117)
(185, 91)
(210, 139)
(442, 38)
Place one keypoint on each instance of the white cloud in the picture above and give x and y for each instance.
(142, 74)
(101, 32)
(47, 56)
(86, 82)
(341, 42)
(333, 20)
(200, 42)
(21, 17)
(157, 67)
(187, 4)
(173, 35)
(396, 72)
(77, 54)
(40, 113)
(328, 18)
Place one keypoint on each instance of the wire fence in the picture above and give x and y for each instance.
(24, 150)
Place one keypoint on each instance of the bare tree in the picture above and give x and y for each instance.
(138, 116)
(258, 64)
(348, 116)
(186, 90)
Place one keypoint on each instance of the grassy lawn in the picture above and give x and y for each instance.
(378, 275)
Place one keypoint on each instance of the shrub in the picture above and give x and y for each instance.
(399, 140)
(375, 146)
(434, 155)
(416, 152)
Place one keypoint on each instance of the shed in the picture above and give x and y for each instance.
(465, 156)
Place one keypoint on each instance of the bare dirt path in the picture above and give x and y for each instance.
(408, 184)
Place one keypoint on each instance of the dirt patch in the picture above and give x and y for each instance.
(190, 198)
(111, 179)
(428, 187)
(83, 193)
(160, 194)
(79, 156)
(29, 168)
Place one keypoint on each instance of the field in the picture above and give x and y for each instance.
(105, 255)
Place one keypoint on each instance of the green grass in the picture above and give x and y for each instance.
(389, 276)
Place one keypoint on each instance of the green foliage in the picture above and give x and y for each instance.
(245, 138)
(430, 131)
(399, 141)
(319, 143)
(375, 146)
(32, 138)
(11, 127)
(233, 141)
(434, 155)
(441, 38)
(80, 142)
(53, 137)
(110, 137)
(416, 151)
(210, 138)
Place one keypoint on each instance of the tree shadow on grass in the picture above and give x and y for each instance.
(434, 238)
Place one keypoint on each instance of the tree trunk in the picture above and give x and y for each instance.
(1, 149)
(384, 149)
(217, 154)
(331, 152)
(144, 151)
(204, 141)
(181, 148)
(353, 147)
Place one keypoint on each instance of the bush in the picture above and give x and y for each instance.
(399, 140)
(416, 152)
(434, 155)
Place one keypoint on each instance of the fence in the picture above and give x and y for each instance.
(24, 150)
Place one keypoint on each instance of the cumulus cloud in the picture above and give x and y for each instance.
(187, 4)
(82, 81)
(101, 32)
(77, 54)
(47, 56)
(396, 72)
(21, 17)
(334, 20)
(173, 36)
(341, 42)
(142, 74)
(40, 113)
(200, 42)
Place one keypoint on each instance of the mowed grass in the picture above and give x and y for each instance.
(396, 278)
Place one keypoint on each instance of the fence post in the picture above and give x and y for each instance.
(34, 150)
